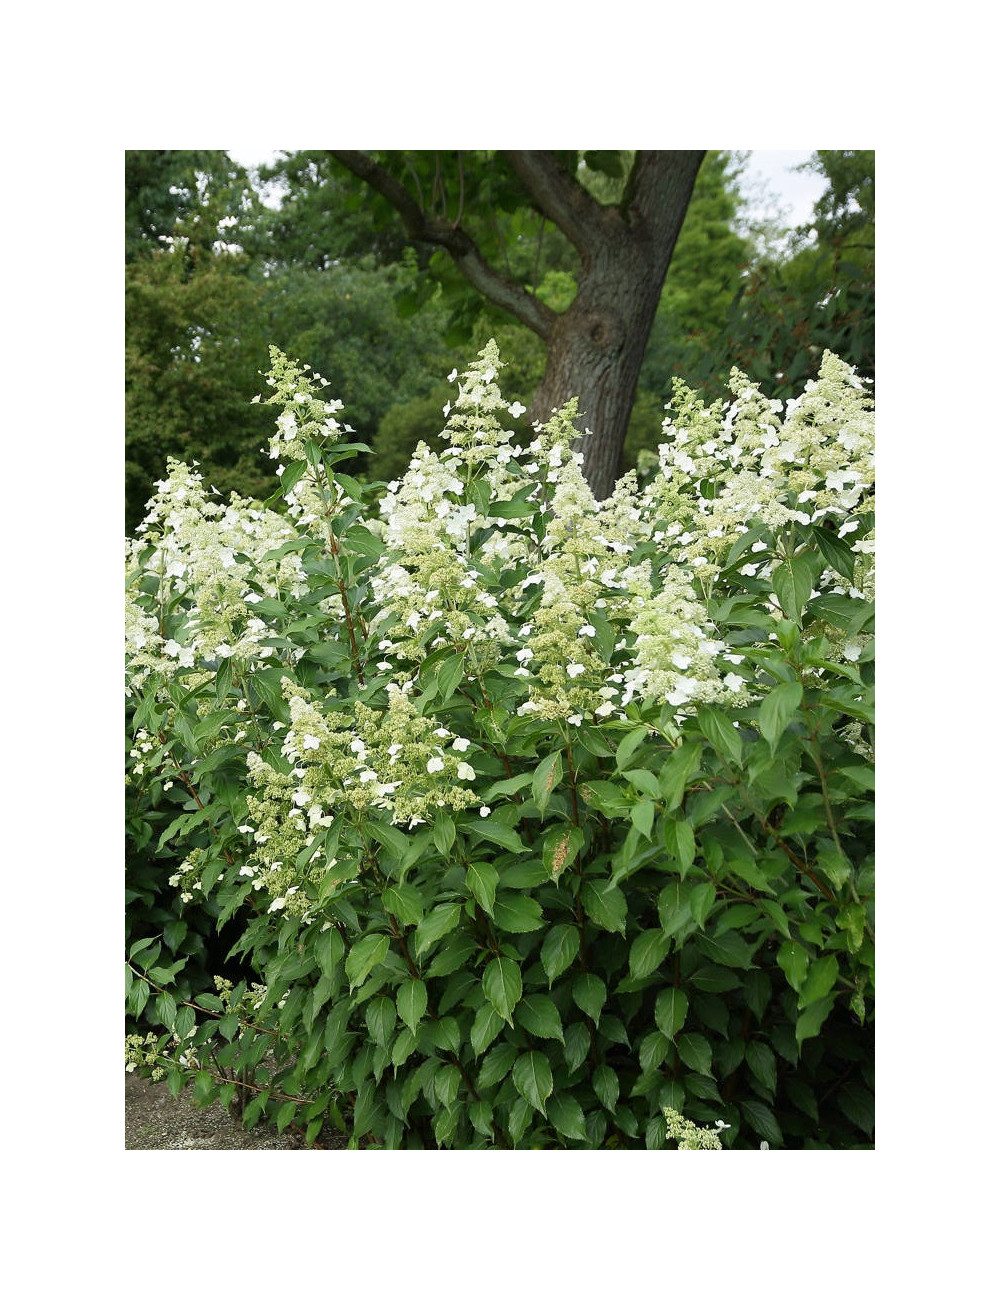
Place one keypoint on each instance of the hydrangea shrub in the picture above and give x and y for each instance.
(535, 821)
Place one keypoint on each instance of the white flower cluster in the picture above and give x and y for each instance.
(208, 562)
(497, 558)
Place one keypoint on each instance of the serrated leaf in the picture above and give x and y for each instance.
(380, 1017)
(482, 880)
(696, 1053)
(678, 836)
(777, 710)
(700, 901)
(647, 953)
(539, 1015)
(436, 924)
(671, 1011)
(517, 914)
(502, 986)
(590, 995)
(532, 1077)
(605, 1084)
(547, 776)
(629, 745)
(761, 1119)
(605, 904)
(443, 833)
(577, 1044)
(643, 815)
(810, 1021)
(719, 731)
(496, 1064)
(794, 961)
(561, 945)
(365, 955)
(820, 980)
(328, 950)
(411, 1002)
(404, 902)
(485, 1028)
(729, 949)
(497, 833)
(566, 1115)
(761, 1060)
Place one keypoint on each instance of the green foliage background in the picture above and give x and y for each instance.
(213, 277)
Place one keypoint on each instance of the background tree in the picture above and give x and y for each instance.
(213, 276)
(594, 347)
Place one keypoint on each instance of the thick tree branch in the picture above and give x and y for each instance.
(561, 198)
(660, 184)
(454, 240)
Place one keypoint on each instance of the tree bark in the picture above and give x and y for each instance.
(594, 348)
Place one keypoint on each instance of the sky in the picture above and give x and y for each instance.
(768, 172)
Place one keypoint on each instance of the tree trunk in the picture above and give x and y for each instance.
(596, 347)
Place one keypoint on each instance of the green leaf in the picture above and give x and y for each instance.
(820, 980)
(763, 1064)
(365, 955)
(498, 833)
(184, 1022)
(436, 925)
(777, 710)
(447, 1082)
(793, 583)
(165, 1009)
(810, 1021)
(539, 1015)
(678, 770)
(380, 1017)
(577, 1044)
(644, 781)
(719, 731)
(647, 953)
(496, 1064)
(671, 1011)
(643, 815)
(517, 914)
(561, 945)
(761, 1119)
(701, 901)
(411, 1003)
(835, 550)
(404, 902)
(502, 986)
(605, 904)
(605, 1084)
(729, 949)
(696, 1053)
(532, 1077)
(629, 745)
(678, 836)
(548, 774)
(444, 833)
(482, 880)
(794, 961)
(485, 1028)
(566, 1115)
(590, 995)
(449, 674)
(328, 951)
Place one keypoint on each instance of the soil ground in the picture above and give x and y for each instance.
(156, 1121)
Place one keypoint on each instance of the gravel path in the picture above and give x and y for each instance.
(156, 1121)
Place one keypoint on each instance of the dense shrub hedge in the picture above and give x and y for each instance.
(536, 821)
